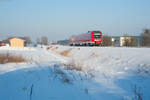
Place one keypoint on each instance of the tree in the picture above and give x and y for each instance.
(44, 40)
(146, 37)
(28, 40)
(107, 41)
(133, 42)
(38, 41)
(130, 41)
(126, 42)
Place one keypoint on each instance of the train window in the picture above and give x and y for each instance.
(97, 36)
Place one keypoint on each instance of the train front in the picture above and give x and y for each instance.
(96, 37)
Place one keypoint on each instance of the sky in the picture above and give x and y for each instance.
(60, 19)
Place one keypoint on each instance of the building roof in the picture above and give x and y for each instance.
(7, 40)
(22, 38)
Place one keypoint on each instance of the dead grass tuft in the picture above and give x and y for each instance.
(63, 76)
(74, 66)
(94, 55)
(66, 53)
(7, 58)
(48, 48)
(54, 49)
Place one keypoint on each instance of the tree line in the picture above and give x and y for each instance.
(43, 40)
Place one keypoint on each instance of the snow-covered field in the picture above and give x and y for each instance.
(76, 73)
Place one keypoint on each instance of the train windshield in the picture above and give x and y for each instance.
(97, 36)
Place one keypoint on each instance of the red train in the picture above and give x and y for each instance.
(91, 38)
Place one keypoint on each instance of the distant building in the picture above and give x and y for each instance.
(120, 40)
(123, 39)
(115, 41)
(63, 42)
(17, 42)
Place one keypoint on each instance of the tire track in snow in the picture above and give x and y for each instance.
(58, 57)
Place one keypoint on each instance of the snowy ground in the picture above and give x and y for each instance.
(76, 73)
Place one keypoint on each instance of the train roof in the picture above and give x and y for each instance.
(95, 31)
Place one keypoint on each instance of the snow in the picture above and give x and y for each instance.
(107, 73)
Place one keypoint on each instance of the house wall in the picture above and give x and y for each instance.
(16, 42)
(122, 40)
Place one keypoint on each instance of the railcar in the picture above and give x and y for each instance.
(91, 38)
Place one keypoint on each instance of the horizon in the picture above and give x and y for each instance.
(59, 20)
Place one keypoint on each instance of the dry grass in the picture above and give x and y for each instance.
(63, 76)
(74, 66)
(54, 49)
(7, 58)
(94, 55)
(48, 48)
(66, 53)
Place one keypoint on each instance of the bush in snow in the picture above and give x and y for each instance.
(73, 65)
(137, 93)
(61, 74)
(143, 69)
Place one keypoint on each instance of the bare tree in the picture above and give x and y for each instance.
(126, 42)
(28, 40)
(38, 41)
(107, 41)
(146, 37)
(44, 40)
(133, 42)
(130, 41)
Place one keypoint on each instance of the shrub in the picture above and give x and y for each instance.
(107, 41)
(146, 38)
(61, 74)
(130, 41)
(74, 66)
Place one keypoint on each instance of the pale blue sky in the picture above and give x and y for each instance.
(59, 19)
